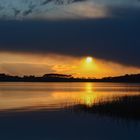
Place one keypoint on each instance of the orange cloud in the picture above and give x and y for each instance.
(27, 64)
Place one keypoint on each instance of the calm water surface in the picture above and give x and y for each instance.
(59, 95)
(40, 111)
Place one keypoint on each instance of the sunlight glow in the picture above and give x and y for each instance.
(89, 64)
(89, 59)
(88, 67)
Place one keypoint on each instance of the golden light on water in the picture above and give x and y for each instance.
(89, 96)
(60, 95)
(89, 87)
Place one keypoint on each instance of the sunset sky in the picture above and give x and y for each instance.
(91, 38)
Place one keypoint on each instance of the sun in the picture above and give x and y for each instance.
(89, 59)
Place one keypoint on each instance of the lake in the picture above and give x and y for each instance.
(44, 111)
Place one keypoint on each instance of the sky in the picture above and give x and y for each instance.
(57, 36)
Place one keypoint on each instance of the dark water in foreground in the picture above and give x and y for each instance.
(40, 111)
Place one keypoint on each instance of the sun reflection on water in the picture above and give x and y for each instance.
(89, 96)
(58, 95)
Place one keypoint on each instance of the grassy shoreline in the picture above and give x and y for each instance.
(127, 107)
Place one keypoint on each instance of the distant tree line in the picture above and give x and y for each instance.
(54, 77)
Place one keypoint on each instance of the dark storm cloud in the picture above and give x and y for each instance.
(116, 38)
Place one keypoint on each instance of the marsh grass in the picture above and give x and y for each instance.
(124, 107)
